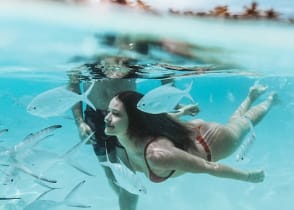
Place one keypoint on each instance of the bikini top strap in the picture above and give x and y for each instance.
(152, 176)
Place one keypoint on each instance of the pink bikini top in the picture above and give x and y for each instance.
(152, 176)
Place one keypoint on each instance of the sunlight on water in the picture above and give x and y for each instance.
(42, 44)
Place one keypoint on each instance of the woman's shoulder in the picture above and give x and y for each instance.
(158, 148)
(196, 122)
(155, 143)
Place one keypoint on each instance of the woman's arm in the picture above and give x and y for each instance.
(77, 109)
(172, 158)
(191, 109)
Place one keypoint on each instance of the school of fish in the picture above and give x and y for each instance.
(56, 102)
(15, 164)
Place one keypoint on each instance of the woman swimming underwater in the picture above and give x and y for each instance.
(161, 146)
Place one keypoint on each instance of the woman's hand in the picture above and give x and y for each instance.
(255, 176)
(191, 109)
(85, 131)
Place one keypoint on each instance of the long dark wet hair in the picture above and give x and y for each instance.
(142, 125)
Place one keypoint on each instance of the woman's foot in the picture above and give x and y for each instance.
(273, 97)
(256, 90)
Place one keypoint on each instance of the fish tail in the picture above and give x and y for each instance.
(187, 91)
(90, 103)
(189, 87)
(86, 94)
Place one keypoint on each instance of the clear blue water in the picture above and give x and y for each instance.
(34, 57)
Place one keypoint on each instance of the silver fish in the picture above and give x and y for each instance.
(57, 101)
(17, 153)
(163, 99)
(48, 159)
(125, 178)
(29, 141)
(10, 174)
(39, 204)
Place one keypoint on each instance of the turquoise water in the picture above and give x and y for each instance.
(38, 50)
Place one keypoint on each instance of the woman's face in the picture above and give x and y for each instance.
(116, 121)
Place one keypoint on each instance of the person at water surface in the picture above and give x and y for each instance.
(161, 146)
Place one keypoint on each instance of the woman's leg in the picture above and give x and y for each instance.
(254, 92)
(127, 201)
(256, 113)
(235, 131)
(239, 127)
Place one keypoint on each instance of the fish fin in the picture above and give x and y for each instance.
(44, 193)
(29, 172)
(45, 185)
(79, 168)
(73, 191)
(34, 138)
(69, 152)
(36, 143)
(78, 205)
(126, 167)
(189, 87)
(122, 163)
(66, 156)
(117, 184)
(86, 94)
(105, 163)
(107, 155)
